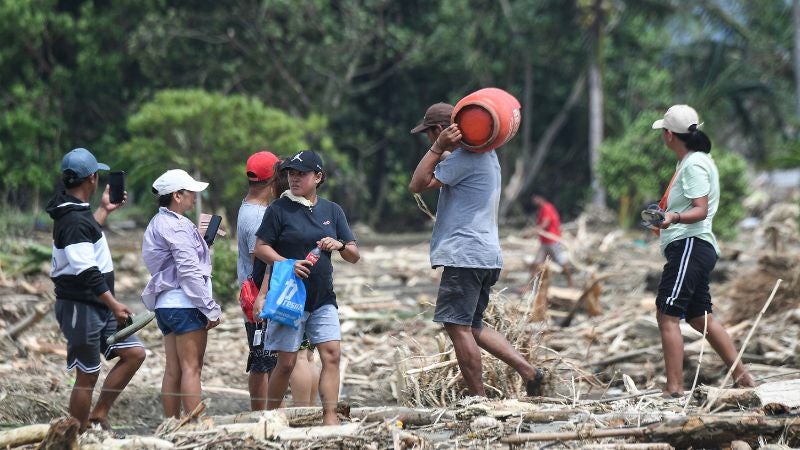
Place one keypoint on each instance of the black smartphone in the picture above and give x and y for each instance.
(211, 231)
(116, 183)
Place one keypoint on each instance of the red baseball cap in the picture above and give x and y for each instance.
(261, 166)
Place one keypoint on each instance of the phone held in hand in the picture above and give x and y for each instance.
(211, 231)
(116, 183)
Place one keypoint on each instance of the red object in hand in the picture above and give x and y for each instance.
(313, 255)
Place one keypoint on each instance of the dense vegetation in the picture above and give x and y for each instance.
(154, 84)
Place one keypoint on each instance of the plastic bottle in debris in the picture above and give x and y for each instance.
(313, 255)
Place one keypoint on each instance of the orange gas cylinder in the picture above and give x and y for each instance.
(488, 118)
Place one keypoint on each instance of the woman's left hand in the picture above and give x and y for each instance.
(669, 219)
(329, 244)
(213, 323)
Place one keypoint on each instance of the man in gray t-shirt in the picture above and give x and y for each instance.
(260, 169)
(250, 215)
(465, 242)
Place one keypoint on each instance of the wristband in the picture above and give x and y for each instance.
(343, 245)
(435, 153)
(679, 217)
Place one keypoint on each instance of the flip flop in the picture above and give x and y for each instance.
(134, 324)
(533, 388)
(653, 215)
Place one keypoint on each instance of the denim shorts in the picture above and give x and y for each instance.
(319, 326)
(464, 295)
(180, 320)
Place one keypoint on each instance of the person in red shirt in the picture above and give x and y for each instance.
(548, 227)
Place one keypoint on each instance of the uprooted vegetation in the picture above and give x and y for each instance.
(401, 385)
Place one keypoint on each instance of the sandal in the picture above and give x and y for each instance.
(533, 387)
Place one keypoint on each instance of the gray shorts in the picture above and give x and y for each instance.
(319, 326)
(464, 295)
(86, 328)
(552, 250)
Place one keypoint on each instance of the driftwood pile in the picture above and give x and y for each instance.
(400, 384)
(631, 421)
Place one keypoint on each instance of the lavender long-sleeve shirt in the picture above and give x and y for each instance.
(177, 257)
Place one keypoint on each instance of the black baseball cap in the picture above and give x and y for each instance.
(305, 161)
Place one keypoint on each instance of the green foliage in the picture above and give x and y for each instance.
(733, 184)
(356, 75)
(636, 169)
(209, 135)
(223, 271)
(24, 257)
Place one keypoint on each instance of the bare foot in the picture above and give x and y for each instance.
(668, 395)
(744, 381)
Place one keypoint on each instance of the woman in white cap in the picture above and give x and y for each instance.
(688, 243)
(179, 290)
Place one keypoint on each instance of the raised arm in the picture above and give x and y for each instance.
(423, 179)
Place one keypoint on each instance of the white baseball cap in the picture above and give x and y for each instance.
(678, 119)
(176, 179)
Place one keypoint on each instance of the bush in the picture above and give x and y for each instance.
(223, 269)
(636, 168)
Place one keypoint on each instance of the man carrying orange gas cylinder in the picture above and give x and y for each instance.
(463, 165)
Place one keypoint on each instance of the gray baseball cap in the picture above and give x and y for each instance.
(82, 162)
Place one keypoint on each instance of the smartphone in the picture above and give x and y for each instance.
(211, 231)
(116, 183)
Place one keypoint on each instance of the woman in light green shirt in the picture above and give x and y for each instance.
(690, 248)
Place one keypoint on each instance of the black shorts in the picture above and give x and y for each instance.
(86, 328)
(683, 290)
(464, 295)
(259, 359)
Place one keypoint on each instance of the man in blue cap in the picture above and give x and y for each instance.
(83, 274)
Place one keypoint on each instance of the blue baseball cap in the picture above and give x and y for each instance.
(82, 162)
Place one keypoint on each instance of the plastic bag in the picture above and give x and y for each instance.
(247, 297)
(286, 298)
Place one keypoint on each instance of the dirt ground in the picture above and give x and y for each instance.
(386, 304)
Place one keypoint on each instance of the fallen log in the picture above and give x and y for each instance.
(551, 415)
(691, 431)
(653, 446)
(39, 311)
(728, 398)
(29, 434)
(583, 434)
(320, 432)
(131, 443)
(409, 416)
(700, 431)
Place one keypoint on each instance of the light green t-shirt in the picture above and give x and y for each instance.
(697, 177)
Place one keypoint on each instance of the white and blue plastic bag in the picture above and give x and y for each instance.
(286, 298)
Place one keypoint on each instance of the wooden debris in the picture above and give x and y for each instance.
(28, 434)
(62, 435)
(729, 398)
(15, 330)
(540, 288)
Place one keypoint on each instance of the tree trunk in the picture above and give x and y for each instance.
(796, 22)
(526, 167)
(596, 105)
